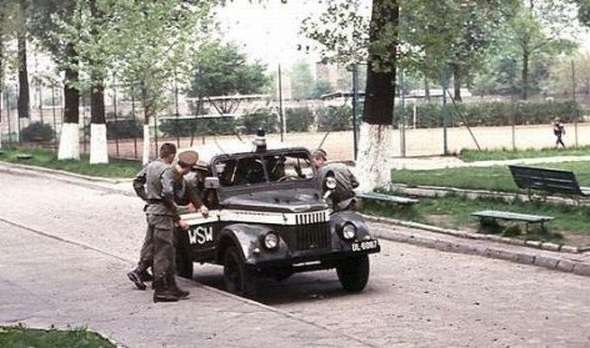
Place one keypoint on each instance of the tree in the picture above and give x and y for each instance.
(23, 103)
(301, 81)
(538, 27)
(46, 24)
(222, 70)
(347, 37)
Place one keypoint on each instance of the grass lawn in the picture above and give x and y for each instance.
(493, 178)
(17, 337)
(48, 159)
(507, 154)
(571, 224)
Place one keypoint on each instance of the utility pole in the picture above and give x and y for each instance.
(402, 123)
(355, 92)
(575, 106)
(445, 85)
(281, 111)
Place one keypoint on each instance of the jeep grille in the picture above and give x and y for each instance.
(310, 218)
(315, 236)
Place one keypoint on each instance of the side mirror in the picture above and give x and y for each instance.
(212, 182)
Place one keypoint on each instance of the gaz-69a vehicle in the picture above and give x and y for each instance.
(268, 218)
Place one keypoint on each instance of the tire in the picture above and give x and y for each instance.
(353, 273)
(236, 277)
(184, 264)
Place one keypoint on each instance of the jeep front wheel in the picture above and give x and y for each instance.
(353, 273)
(237, 278)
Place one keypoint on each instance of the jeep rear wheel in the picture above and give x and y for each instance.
(353, 273)
(237, 278)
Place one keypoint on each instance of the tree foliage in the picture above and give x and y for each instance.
(221, 69)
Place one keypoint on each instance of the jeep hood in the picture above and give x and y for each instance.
(285, 201)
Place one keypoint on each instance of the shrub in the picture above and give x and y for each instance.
(199, 126)
(488, 114)
(125, 128)
(299, 119)
(37, 132)
(333, 118)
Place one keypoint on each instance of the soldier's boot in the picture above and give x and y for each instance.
(136, 277)
(146, 276)
(163, 292)
(181, 293)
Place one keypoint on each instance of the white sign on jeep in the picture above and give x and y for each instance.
(200, 235)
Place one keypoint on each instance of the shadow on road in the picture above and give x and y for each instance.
(303, 287)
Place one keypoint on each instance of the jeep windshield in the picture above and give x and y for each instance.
(267, 167)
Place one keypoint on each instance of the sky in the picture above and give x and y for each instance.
(270, 32)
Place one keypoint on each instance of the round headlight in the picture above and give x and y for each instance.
(330, 183)
(271, 241)
(348, 231)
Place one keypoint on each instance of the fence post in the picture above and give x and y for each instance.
(355, 92)
(7, 106)
(115, 114)
(54, 117)
(134, 119)
(575, 106)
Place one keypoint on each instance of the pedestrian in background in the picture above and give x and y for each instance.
(559, 131)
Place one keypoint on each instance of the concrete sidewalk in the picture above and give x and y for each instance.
(46, 281)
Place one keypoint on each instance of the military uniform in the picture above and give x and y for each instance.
(343, 196)
(160, 185)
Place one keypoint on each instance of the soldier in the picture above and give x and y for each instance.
(160, 184)
(343, 197)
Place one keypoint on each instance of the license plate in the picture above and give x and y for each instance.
(364, 246)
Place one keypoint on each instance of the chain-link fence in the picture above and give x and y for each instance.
(426, 124)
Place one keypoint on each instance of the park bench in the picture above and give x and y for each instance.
(493, 215)
(552, 181)
(385, 198)
(23, 156)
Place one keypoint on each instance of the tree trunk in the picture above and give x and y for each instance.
(1, 78)
(99, 152)
(69, 142)
(426, 89)
(525, 75)
(376, 129)
(146, 124)
(23, 103)
(457, 83)
(98, 129)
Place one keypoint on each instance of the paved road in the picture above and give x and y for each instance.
(416, 296)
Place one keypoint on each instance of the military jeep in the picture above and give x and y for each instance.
(268, 218)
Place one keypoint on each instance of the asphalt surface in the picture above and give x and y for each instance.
(66, 247)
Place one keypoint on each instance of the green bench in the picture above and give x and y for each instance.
(24, 156)
(385, 198)
(493, 215)
(548, 181)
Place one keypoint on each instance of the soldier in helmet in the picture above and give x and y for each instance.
(343, 197)
(160, 184)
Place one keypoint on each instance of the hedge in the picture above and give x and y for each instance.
(333, 118)
(299, 119)
(489, 114)
(37, 131)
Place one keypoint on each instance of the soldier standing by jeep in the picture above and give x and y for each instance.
(162, 183)
(343, 197)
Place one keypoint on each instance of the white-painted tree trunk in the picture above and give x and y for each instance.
(69, 142)
(375, 144)
(146, 144)
(99, 151)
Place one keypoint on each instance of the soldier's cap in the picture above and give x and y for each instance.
(188, 158)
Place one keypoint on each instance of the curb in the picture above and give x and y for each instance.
(65, 173)
(469, 235)
(557, 263)
(441, 191)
